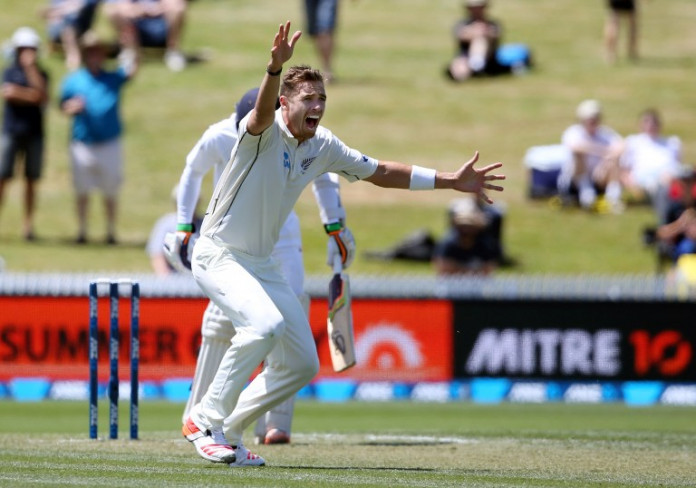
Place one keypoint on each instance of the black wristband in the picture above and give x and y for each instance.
(274, 73)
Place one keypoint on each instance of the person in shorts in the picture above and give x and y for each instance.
(321, 20)
(91, 96)
(25, 93)
(621, 10)
(150, 23)
(67, 21)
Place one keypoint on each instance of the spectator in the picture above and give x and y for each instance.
(91, 96)
(150, 23)
(593, 166)
(675, 235)
(477, 39)
(618, 10)
(155, 244)
(471, 245)
(67, 21)
(25, 93)
(322, 16)
(649, 162)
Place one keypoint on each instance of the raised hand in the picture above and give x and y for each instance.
(473, 180)
(282, 47)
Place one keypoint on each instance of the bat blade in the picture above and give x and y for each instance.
(339, 323)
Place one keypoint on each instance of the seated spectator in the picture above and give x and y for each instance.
(593, 166)
(150, 23)
(67, 21)
(477, 39)
(472, 245)
(649, 162)
(675, 233)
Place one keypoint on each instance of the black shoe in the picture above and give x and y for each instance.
(81, 240)
(111, 240)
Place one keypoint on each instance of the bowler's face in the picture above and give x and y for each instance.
(303, 110)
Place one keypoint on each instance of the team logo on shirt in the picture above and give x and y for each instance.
(286, 160)
(365, 158)
(306, 162)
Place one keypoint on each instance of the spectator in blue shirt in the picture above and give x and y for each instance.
(92, 96)
(25, 93)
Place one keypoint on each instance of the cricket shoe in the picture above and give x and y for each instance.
(210, 445)
(246, 458)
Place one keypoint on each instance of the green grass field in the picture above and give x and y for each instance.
(366, 445)
(391, 102)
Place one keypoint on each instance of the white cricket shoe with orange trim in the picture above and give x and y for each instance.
(210, 445)
(246, 458)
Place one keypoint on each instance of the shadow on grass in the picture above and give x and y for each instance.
(64, 241)
(353, 468)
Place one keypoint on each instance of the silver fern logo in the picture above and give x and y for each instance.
(306, 162)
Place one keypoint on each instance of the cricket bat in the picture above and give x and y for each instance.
(339, 323)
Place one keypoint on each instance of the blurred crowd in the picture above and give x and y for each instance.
(600, 170)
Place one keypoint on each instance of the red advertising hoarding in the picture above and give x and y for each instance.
(396, 340)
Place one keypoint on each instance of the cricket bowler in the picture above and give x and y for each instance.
(279, 152)
(211, 152)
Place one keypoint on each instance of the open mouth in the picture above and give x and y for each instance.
(312, 122)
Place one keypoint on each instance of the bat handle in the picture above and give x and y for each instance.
(337, 264)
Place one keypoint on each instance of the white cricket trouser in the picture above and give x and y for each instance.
(270, 324)
(217, 331)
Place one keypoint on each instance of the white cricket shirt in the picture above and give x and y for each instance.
(264, 179)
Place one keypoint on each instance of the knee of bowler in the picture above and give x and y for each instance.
(271, 329)
(308, 369)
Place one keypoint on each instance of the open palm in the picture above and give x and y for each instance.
(470, 179)
(282, 47)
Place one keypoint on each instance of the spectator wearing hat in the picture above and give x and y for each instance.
(593, 167)
(67, 21)
(91, 95)
(477, 38)
(25, 93)
(469, 247)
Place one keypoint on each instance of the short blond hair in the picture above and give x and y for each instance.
(297, 75)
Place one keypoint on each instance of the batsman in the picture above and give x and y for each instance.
(279, 152)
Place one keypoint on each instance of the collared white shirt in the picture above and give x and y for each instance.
(265, 177)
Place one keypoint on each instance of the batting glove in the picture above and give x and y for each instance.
(341, 243)
(178, 247)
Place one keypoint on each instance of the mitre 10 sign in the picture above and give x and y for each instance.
(575, 340)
